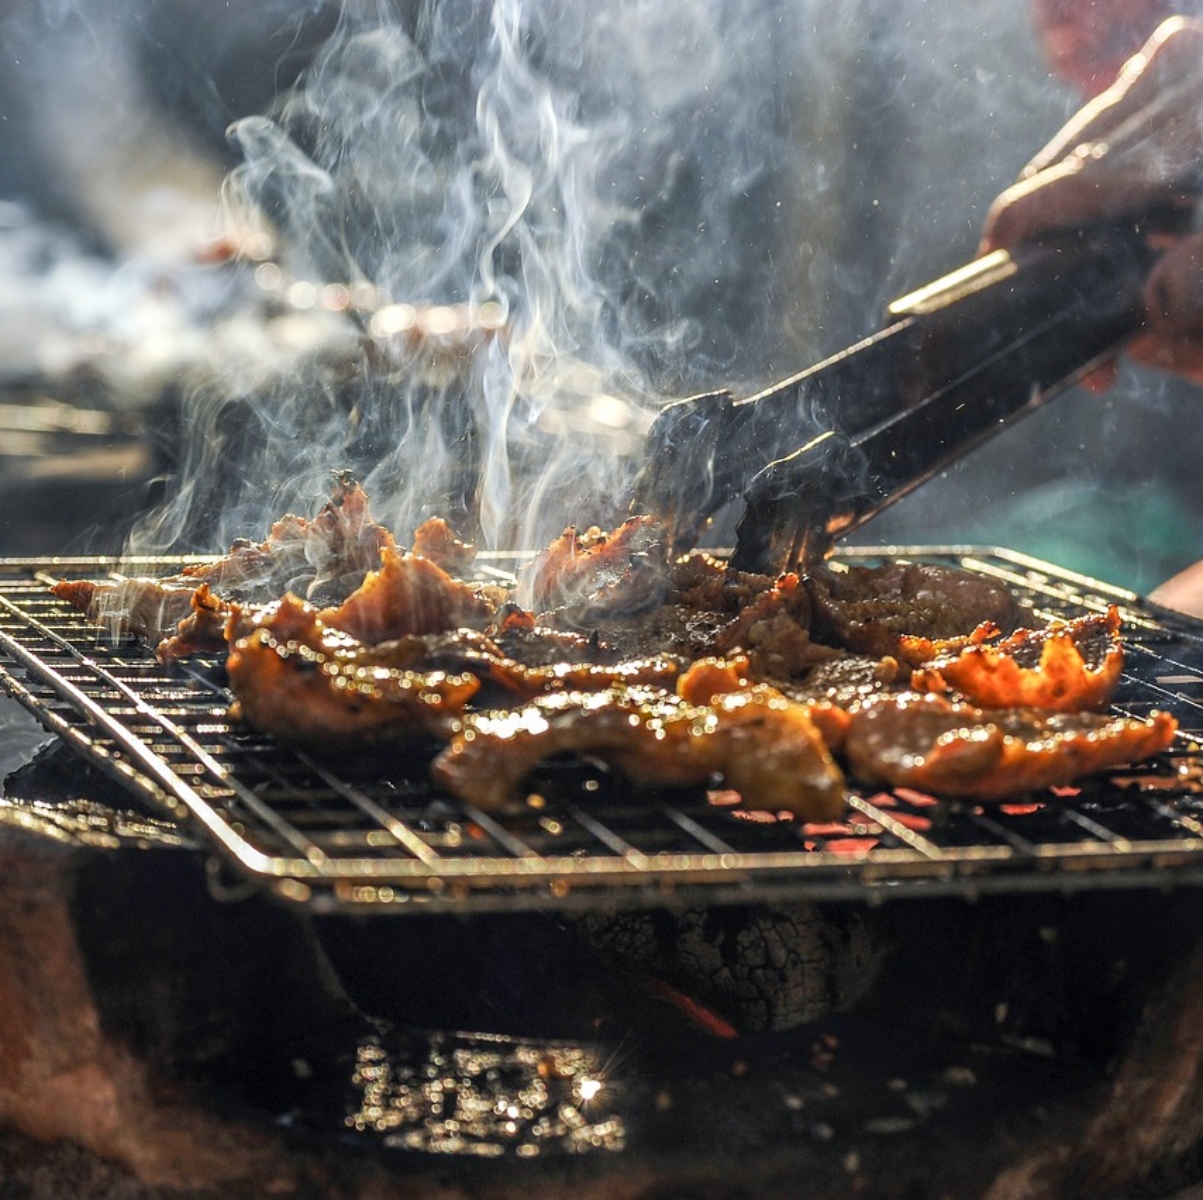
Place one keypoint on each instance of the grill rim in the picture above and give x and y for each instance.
(524, 878)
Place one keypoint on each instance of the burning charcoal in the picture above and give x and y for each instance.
(751, 970)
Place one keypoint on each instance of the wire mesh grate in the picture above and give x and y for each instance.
(372, 834)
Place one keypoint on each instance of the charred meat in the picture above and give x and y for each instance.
(870, 609)
(954, 749)
(1069, 666)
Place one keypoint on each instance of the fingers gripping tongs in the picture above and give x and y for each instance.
(958, 361)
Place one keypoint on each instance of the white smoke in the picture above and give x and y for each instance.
(595, 185)
(604, 207)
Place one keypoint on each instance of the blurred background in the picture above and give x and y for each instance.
(468, 250)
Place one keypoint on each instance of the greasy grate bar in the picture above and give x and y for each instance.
(373, 835)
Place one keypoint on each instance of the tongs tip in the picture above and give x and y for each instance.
(797, 506)
(678, 481)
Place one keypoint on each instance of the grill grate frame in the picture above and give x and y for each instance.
(375, 837)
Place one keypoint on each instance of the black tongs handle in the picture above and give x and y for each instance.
(990, 343)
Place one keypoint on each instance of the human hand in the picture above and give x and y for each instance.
(1183, 593)
(1136, 147)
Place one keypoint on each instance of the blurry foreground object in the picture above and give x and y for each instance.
(1183, 593)
(1136, 146)
(1086, 42)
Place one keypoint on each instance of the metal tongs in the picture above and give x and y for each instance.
(958, 361)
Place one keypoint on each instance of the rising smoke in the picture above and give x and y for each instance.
(589, 189)
(617, 204)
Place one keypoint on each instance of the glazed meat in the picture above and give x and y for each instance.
(305, 683)
(434, 539)
(1070, 666)
(336, 668)
(505, 679)
(953, 749)
(763, 746)
(667, 628)
(321, 558)
(409, 594)
(203, 631)
(773, 630)
(623, 571)
(673, 674)
(847, 679)
(707, 610)
(149, 608)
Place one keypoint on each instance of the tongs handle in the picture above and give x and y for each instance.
(985, 346)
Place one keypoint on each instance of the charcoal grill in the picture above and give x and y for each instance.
(375, 836)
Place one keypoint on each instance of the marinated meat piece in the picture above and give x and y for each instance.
(916, 651)
(773, 630)
(464, 651)
(327, 556)
(935, 745)
(702, 582)
(669, 628)
(623, 571)
(434, 539)
(149, 608)
(202, 631)
(406, 595)
(657, 671)
(868, 609)
(323, 558)
(712, 677)
(409, 594)
(847, 679)
(304, 683)
(765, 747)
(519, 636)
(1070, 666)
(456, 653)
(711, 611)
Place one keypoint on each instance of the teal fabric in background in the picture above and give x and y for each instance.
(1135, 536)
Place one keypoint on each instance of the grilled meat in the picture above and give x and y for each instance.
(667, 628)
(1070, 666)
(409, 594)
(773, 630)
(623, 571)
(762, 745)
(519, 635)
(870, 609)
(672, 673)
(321, 558)
(434, 539)
(358, 680)
(306, 683)
(325, 558)
(954, 749)
(149, 608)
(847, 679)
(708, 609)
(203, 631)
(341, 557)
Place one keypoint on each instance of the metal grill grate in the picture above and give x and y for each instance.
(372, 835)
